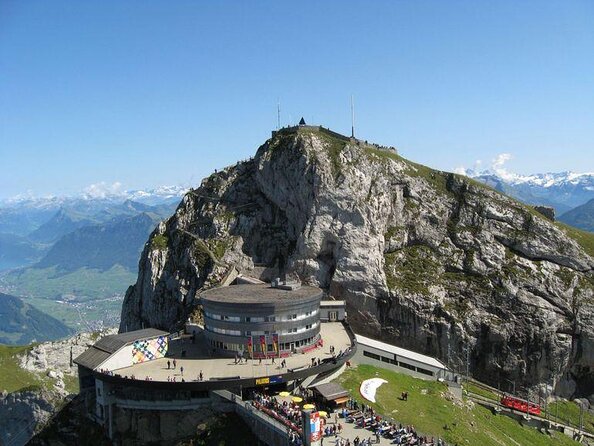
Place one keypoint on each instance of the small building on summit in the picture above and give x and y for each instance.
(302, 121)
(262, 320)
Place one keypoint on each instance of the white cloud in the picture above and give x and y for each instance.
(460, 170)
(103, 190)
(498, 166)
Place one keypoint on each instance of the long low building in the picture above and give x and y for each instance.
(377, 353)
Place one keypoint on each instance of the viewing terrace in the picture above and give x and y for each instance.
(197, 357)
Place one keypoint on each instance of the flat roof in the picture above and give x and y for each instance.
(331, 391)
(258, 293)
(424, 359)
(331, 303)
(112, 343)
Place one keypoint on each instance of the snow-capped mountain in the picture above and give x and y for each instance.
(97, 193)
(561, 190)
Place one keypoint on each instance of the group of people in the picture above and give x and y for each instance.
(365, 417)
(291, 412)
(361, 414)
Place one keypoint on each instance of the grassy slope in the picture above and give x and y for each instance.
(430, 412)
(569, 412)
(12, 377)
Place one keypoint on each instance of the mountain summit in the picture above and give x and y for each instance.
(425, 259)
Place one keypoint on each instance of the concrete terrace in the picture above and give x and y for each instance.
(198, 358)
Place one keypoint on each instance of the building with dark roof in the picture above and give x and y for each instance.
(262, 320)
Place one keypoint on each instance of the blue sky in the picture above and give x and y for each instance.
(150, 93)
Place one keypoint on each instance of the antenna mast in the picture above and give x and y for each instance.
(278, 115)
(352, 117)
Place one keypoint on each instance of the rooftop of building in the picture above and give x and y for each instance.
(258, 294)
(198, 357)
(108, 345)
(398, 351)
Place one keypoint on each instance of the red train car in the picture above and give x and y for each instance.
(520, 405)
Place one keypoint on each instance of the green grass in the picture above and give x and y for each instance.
(49, 283)
(481, 391)
(584, 238)
(159, 242)
(569, 412)
(430, 412)
(71, 384)
(12, 377)
(411, 269)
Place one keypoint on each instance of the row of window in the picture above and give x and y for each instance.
(398, 363)
(288, 317)
(224, 331)
(229, 332)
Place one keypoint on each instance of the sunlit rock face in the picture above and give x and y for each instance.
(425, 259)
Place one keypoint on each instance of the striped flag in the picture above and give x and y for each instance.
(250, 347)
(275, 342)
(263, 344)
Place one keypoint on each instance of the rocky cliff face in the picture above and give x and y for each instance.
(425, 259)
(22, 413)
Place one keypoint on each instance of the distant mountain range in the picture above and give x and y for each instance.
(563, 191)
(581, 217)
(30, 226)
(101, 246)
(21, 324)
(81, 251)
(151, 197)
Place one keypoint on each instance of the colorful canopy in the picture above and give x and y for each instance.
(296, 399)
(284, 393)
(309, 406)
(323, 414)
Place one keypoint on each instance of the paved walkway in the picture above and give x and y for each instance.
(198, 358)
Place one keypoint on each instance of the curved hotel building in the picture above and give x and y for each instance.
(262, 320)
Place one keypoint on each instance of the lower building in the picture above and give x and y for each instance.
(380, 354)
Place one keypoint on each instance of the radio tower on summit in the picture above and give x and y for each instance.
(352, 117)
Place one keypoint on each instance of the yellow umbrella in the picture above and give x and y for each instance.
(323, 414)
(284, 394)
(309, 406)
(296, 399)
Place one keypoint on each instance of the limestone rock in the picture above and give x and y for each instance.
(427, 260)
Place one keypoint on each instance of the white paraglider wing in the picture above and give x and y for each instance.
(369, 387)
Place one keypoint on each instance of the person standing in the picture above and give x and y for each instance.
(174, 363)
(168, 364)
(200, 375)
